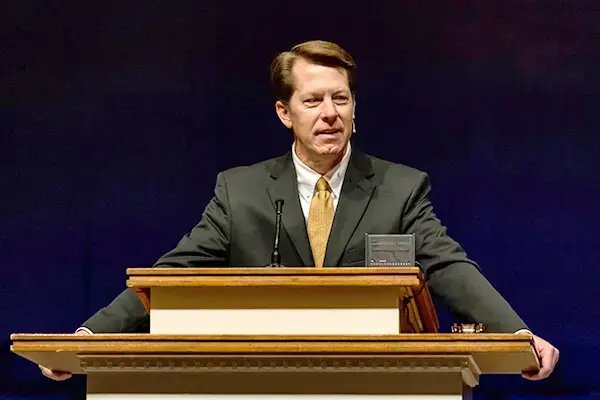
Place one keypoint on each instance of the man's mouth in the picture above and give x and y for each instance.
(328, 132)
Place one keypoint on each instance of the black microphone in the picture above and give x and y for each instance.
(276, 256)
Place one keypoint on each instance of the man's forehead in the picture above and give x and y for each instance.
(308, 76)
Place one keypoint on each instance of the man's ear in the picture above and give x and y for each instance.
(283, 114)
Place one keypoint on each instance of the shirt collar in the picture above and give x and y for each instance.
(307, 178)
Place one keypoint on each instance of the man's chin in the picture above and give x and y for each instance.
(331, 150)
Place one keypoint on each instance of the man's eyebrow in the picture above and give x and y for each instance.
(314, 93)
(317, 93)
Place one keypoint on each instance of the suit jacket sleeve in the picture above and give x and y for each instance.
(207, 244)
(451, 276)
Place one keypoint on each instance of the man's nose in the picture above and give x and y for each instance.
(329, 111)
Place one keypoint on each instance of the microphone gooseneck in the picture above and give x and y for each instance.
(276, 256)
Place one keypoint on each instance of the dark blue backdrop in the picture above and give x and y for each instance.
(116, 119)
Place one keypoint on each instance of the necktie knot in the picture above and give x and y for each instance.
(322, 185)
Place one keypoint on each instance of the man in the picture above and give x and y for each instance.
(333, 195)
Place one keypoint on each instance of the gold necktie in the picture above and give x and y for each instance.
(320, 218)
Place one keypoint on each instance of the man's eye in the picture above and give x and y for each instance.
(340, 99)
(311, 101)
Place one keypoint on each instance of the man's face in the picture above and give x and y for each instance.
(320, 111)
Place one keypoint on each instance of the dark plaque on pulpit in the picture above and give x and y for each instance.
(393, 250)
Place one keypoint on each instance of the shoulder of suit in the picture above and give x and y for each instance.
(252, 170)
(389, 168)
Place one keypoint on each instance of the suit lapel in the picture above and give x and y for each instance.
(356, 194)
(285, 187)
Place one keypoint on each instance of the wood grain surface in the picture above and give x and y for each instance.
(493, 353)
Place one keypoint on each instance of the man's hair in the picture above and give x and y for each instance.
(315, 51)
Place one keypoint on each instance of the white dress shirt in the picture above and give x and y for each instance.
(307, 179)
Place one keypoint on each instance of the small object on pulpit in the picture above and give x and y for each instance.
(396, 250)
(468, 328)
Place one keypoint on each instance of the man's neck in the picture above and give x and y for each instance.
(321, 164)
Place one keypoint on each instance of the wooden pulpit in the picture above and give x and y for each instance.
(295, 301)
(243, 333)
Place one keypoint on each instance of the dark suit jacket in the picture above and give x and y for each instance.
(237, 229)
